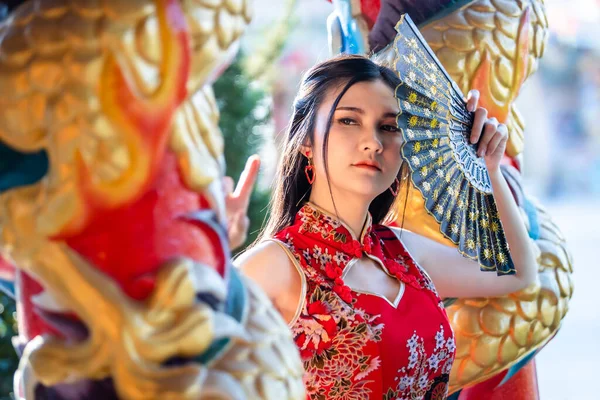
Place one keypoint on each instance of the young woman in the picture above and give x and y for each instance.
(364, 300)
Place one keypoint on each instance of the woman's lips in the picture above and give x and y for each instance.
(367, 167)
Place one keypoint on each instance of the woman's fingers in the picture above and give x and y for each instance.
(238, 229)
(247, 180)
(228, 185)
(489, 132)
(472, 100)
(478, 123)
(500, 136)
(238, 201)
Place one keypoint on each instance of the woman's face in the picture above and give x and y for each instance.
(364, 141)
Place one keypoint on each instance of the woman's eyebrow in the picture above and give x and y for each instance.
(355, 109)
(389, 114)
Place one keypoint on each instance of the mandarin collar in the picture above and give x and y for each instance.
(330, 229)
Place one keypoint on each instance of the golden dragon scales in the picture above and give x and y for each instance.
(116, 230)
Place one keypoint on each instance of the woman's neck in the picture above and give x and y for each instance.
(350, 210)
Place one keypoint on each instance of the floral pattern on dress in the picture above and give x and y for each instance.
(331, 336)
(414, 380)
(314, 221)
(341, 344)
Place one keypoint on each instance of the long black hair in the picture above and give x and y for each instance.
(291, 185)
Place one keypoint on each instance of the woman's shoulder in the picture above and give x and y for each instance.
(272, 266)
(270, 263)
(267, 249)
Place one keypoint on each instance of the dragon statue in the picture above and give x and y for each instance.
(492, 46)
(112, 208)
(112, 216)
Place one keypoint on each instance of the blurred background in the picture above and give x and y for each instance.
(560, 105)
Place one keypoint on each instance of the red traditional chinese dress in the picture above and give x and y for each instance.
(358, 345)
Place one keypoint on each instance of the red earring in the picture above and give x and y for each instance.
(309, 171)
(395, 192)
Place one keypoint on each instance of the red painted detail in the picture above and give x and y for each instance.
(522, 386)
(370, 10)
(131, 243)
(7, 270)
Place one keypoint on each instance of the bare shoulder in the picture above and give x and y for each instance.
(273, 268)
(254, 257)
(268, 264)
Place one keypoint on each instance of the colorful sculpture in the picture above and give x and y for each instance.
(111, 206)
(113, 211)
(492, 46)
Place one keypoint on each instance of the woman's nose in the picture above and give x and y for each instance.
(372, 141)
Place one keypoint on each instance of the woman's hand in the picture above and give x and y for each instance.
(236, 202)
(491, 135)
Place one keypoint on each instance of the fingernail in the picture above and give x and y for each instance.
(483, 154)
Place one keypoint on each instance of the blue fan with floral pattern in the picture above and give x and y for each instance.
(436, 126)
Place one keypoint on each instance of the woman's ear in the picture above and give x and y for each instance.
(306, 150)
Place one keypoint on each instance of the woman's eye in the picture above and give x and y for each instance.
(390, 128)
(347, 121)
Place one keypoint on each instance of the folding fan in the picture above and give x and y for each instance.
(436, 127)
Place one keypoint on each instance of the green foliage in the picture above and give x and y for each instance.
(244, 110)
(8, 358)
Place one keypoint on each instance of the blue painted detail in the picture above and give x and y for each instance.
(534, 223)
(454, 396)
(515, 368)
(20, 169)
(352, 40)
(7, 287)
(333, 27)
(234, 307)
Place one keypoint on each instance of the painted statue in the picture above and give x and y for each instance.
(492, 46)
(112, 207)
(112, 210)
